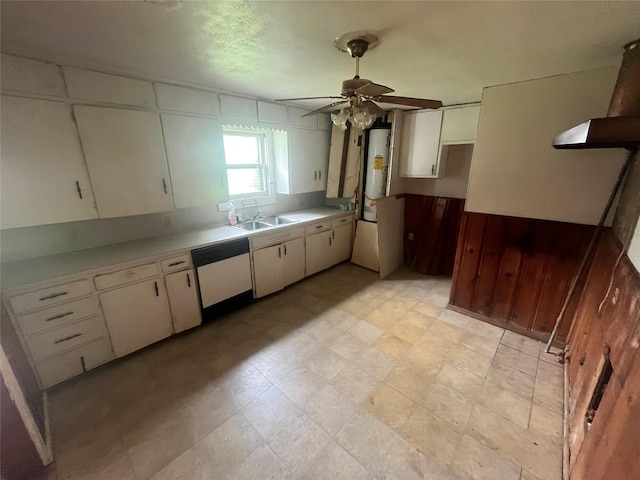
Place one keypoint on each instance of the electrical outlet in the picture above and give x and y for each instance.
(410, 236)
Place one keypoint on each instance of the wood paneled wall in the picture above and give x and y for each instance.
(515, 272)
(434, 224)
(611, 448)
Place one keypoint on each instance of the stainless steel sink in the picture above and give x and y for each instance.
(278, 220)
(253, 225)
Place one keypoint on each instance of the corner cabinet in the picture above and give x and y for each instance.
(305, 168)
(126, 160)
(420, 154)
(44, 178)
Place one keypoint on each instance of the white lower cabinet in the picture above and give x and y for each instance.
(183, 300)
(278, 266)
(328, 248)
(137, 315)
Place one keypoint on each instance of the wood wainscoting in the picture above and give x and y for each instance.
(610, 449)
(515, 272)
(433, 223)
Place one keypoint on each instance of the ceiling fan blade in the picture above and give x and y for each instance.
(374, 108)
(373, 90)
(412, 102)
(303, 98)
(327, 108)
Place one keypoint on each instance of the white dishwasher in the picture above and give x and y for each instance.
(224, 277)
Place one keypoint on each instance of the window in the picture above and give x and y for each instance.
(246, 158)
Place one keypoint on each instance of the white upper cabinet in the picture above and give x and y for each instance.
(195, 153)
(101, 87)
(420, 154)
(180, 99)
(44, 178)
(126, 160)
(272, 113)
(238, 107)
(459, 125)
(306, 167)
(31, 76)
(324, 121)
(297, 118)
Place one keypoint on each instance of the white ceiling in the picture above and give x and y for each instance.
(273, 49)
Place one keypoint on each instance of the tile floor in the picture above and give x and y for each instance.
(342, 376)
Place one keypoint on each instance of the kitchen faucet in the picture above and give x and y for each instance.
(257, 215)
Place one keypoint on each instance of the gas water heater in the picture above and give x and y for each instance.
(377, 165)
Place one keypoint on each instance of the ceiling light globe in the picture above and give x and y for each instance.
(340, 119)
(363, 119)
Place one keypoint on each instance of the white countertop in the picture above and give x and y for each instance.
(39, 269)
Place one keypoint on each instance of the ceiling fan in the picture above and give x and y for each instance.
(359, 95)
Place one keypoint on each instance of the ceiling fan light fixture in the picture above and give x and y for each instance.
(340, 118)
(362, 118)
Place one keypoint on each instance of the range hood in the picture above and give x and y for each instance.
(621, 127)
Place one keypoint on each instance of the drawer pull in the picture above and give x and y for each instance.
(318, 226)
(56, 317)
(84, 365)
(285, 250)
(155, 284)
(164, 186)
(333, 234)
(188, 281)
(177, 263)
(279, 252)
(53, 295)
(70, 337)
(78, 189)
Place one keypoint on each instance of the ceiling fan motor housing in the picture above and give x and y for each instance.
(357, 47)
(351, 85)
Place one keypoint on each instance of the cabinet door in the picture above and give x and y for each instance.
(294, 261)
(268, 270)
(420, 150)
(183, 300)
(308, 160)
(459, 125)
(341, 239)
(318, 252)
(196, 160)
(126, 160)
(44, 179)
(137, 315)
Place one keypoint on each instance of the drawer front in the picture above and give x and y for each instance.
(317, 227)
(75, 362)
(58, 316)
(276, 237)
(340, 221)
(176, 263)
(50, 296)
(129, 275)
(65, 338)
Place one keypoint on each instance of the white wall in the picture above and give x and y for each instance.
(21, 243)
(453, 184)
(516, 172)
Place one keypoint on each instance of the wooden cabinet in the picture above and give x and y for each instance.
(31, 76)
(195, 153)
(137, 315)
(459, 125)
(327, 248)
(102, 87)
(183, 300)
(44, 179)
(278, 266)
(272, 113)
(341, 239)
(126, 160)
(305, 169)
(420, 154)
(188, 100)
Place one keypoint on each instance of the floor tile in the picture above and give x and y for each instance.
(449, 404)
(298, 443)
(334, 463)
(189, 465)
(511, 379)
(521, 343)
(244, 385)
(543, 458)
(301, 385)
(407, 462)
(367, 440)
(548, 396)
(432, 435)
(427, 309)
(520, 361)
(455, 319)
(445, 332)
(464, 359)
(366, 332)
(208, 410)
(391, 345)
(464, 381)
(505, 403)
(389, 406)
(331, 409)
(355, 383)
(375, 363)
(348, 345)
(552, 373)
(479, 344)
(262, 464)
(411, 380)
(545, 421)
(481, 463)
(326, 363)
(270, 411)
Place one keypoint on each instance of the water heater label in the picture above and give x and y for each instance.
(378, 162)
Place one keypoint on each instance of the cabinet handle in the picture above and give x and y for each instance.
(319, 226)
(84, 365)
(333, 234)
(188, 281)
(53, 295)
(329, 240)
(78, 189)
(156, 285)
(65, 339)
(433, 169)
(164, 186)
(315, 174)
(285, 250)
(56, 317)
(279, 252)
(176, 263)
(319, 174)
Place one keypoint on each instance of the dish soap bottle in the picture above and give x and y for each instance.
(231, 214)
